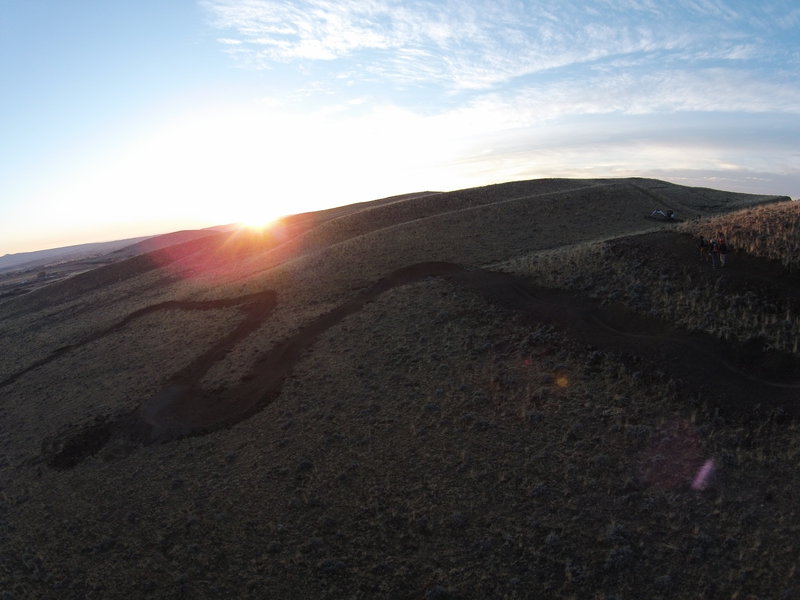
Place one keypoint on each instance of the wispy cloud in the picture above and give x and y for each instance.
(666, 92)
(789, 19)
(480, 44)
(506, 89)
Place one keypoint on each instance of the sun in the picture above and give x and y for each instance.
(258, 223)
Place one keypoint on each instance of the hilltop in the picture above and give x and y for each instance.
(521, 390)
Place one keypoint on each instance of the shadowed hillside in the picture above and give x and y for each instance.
(516, 391)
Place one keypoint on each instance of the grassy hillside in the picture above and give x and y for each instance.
(522, 390)
(658, 273)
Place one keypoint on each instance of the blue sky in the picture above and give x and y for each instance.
(129, 118)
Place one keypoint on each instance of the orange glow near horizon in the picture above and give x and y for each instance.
(259, 223)
(226, 256)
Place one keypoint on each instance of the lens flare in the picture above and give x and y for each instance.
(704, 475)
(561, 378)
(672, 454)
(222, 255)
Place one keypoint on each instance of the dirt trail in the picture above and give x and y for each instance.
(736, 378)
(255, 306)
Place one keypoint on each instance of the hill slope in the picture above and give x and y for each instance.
(450, 395)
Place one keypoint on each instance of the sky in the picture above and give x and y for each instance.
(136, 117)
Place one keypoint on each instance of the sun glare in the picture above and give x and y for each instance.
(257, 223)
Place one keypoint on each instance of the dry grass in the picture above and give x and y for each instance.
(431, 445)
(475, 226)
(468, 472)
(317, 270)
(110, 375)
(676, 294)
(771, 231)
